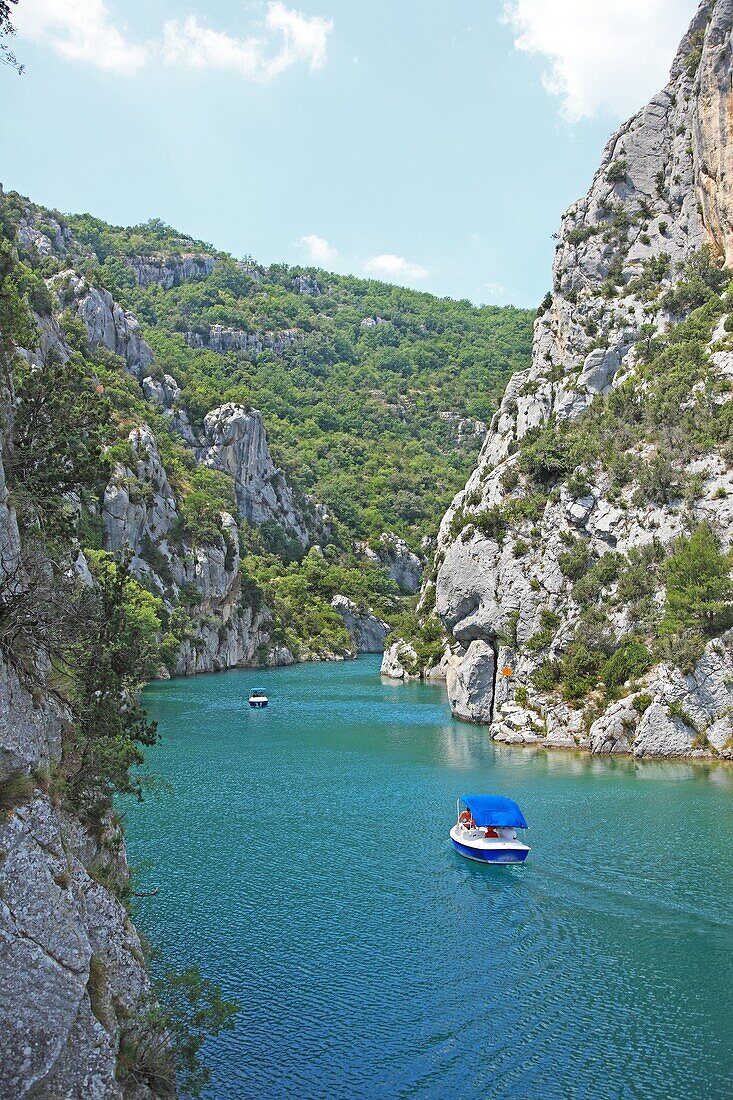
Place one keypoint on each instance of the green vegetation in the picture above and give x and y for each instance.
(427, 637)
(669, 403)
(699, 600)
(699, 586)
(352, 409)
(161, 1048)
(370, 409)
(642, 702)
(15, 791)
(616, 172)
(671, 409)
(90, 646)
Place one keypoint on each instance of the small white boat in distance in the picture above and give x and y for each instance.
(486, 829)
(257, 698)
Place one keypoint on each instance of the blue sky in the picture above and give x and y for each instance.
(430, 142)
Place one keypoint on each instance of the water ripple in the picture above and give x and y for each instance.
(303, 861)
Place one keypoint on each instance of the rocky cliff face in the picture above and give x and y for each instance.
(395, 557)
(67, 943)
(168, 271)
(140, 513)
(367, 632)
(533, 549)
(107, 324)
(236, 444)
(140, 510)
(229, 339)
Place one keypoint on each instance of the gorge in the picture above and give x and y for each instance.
(211, 464)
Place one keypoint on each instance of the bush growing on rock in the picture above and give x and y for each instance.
(699, 586)
(575, 560)
(631, 659)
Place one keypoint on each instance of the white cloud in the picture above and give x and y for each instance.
(493, 290)
(317, 249)
(608, 57)
(81, 30)
(289, 38)
(85, 30)
(394, 268)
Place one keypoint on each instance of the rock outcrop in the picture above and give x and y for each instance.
(72, 971)
(394, 555)
(108, 325)
(166, 393)
(367, 632)
(400, 662)
(504, 586)
(53, 239)
(168, 271)
(139, 503)
(142, 518)
(230, 339)
(140, 512)
(236, 444)
(307, 284)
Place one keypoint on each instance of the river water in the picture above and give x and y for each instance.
(303, 861)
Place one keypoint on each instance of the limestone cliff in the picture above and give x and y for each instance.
(66, 941)
(166, 271)
(608, 450)
(235, 443)
(223, 339)
(140, 508)
(107, 324)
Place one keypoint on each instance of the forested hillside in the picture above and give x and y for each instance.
(374, 400)
(353, 399)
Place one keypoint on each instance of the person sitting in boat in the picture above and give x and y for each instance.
(466, 820)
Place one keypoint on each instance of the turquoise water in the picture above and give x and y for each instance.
(303, 861)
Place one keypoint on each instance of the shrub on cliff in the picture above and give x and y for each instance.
(699, 586)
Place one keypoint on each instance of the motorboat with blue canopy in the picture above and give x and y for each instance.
(486, 829)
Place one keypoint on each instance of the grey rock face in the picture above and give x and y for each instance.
(598, 370)
(30, 727)
(663, 187)
(398, 659)
(236, 444)
(139, 513)
(57, 925)
(168, 271)
(230, 339)
(366, 631)
(307, 284)
(138, 502)
(167, 394)
(108, 325)
(68, 951)
(52, 240)
(394, 555)
(470, 682)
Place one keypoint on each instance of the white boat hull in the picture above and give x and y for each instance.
(472, 844)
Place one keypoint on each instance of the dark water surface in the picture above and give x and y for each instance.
(304, 862)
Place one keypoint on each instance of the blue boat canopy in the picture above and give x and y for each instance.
(494, 810)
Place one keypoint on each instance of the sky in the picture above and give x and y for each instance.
(431, 143)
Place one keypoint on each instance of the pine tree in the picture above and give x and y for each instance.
(699, 586)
